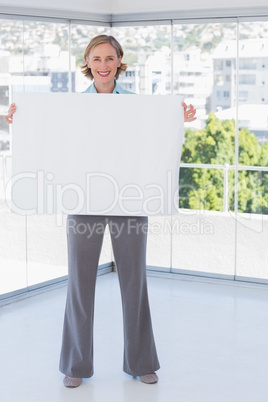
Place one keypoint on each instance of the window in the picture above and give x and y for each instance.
(130, 73)
(247, 79)
(148, 56)
(204, 72)
(80, 38)
(219, 80)
(218, 65)
(243, 95)
(253, 136)
(248, 64)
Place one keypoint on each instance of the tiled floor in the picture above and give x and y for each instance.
(212, 341)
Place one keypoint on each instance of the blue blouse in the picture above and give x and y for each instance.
(117, 89)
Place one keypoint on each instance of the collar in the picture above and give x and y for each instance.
(93, 89)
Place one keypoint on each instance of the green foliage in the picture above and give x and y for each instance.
(249, 150)
(79, 60)
(215, 144)
(130, 58)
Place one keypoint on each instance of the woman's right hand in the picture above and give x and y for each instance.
(12, 109)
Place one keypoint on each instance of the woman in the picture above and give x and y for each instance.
(103, 57)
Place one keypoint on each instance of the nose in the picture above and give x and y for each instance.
(103, 64)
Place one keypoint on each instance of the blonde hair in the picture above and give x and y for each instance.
(98, 40)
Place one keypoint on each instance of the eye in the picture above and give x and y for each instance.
(110, 58)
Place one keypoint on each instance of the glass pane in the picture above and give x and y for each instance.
(45, 68)
(159, 242)
(252, 220)
(49, 60)
(34, 57)
(13, 274)
(47, 248)
(81, 35)
(147, 54)
(204, 232)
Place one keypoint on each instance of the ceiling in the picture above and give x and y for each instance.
(125, 6)
(120, 12)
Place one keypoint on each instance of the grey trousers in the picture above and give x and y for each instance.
(85, 236)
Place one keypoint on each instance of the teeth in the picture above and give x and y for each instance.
(103, 73)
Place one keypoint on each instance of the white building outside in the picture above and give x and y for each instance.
(253, 73)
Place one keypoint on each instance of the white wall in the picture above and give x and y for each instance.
(127, 6)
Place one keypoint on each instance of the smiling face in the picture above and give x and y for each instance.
(103, 62)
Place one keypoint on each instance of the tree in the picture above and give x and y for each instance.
(215, 144)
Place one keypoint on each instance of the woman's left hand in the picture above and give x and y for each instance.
(189, 115)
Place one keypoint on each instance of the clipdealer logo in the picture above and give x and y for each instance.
(178, 226)
(49, 197)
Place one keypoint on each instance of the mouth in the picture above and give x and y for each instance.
(104, 73)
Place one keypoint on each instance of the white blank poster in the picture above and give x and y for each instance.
(101, 155)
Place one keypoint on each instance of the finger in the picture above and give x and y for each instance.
(11, 111)
(8, 120)
(192, 112)
(184, 106)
